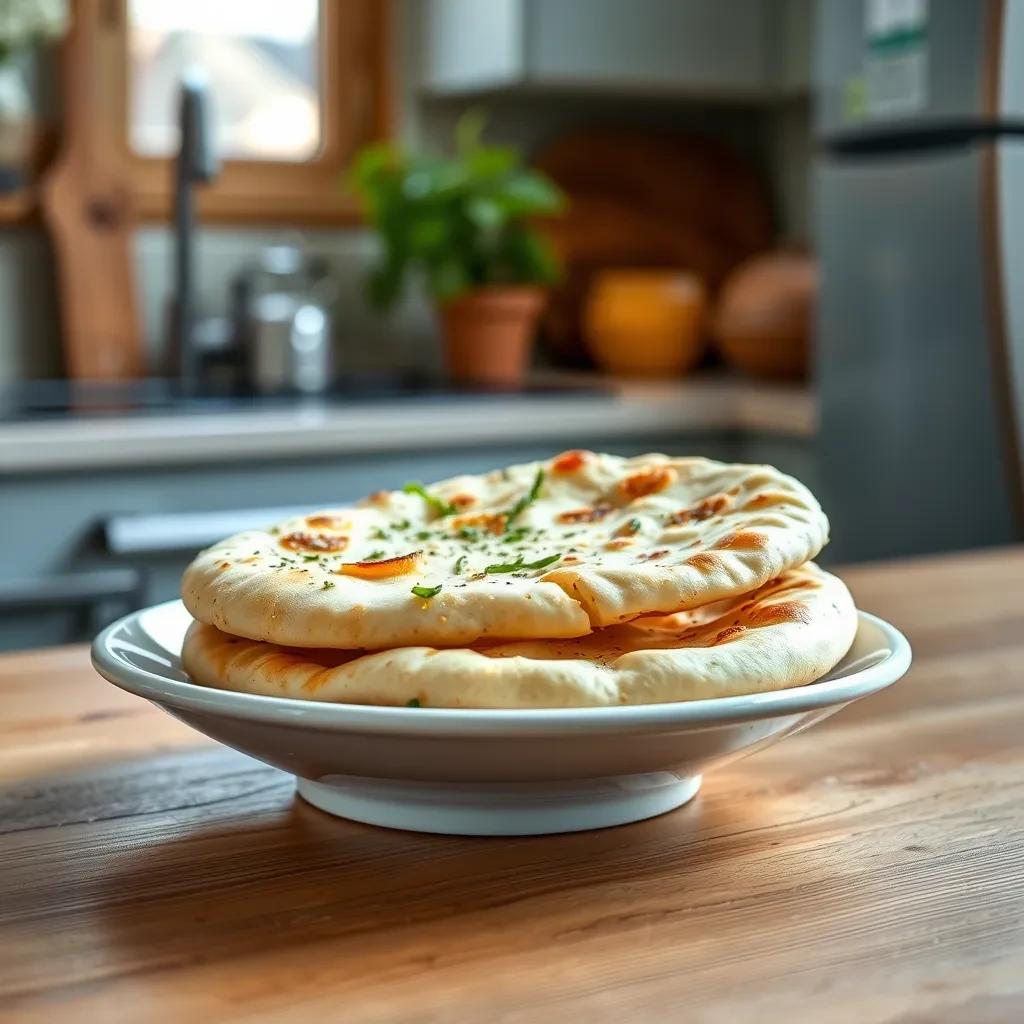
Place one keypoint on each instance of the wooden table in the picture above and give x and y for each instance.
(871, 869)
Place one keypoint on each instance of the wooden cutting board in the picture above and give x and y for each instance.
(86, 200)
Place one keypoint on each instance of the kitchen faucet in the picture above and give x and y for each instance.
(196, 164)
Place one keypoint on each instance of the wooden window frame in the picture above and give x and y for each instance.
(355, 109)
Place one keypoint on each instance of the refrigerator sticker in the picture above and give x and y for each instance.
(896, 59)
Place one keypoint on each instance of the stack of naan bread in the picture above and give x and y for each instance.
(584, 580)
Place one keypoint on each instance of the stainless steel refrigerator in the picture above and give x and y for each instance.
(919, 192)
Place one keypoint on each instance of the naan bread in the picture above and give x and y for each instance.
(547, 549)
(788, 633)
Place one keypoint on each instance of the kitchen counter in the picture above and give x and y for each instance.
(622, 410)
(866, 870)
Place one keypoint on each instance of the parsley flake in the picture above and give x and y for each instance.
(427, 592)
(414, 703)
(519, 563)
(527, 499)
(374, 555)
(327, 585)
(460, 564)
(440, 507)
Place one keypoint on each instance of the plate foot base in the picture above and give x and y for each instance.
(500, 809)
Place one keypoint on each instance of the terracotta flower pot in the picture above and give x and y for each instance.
(488, 334)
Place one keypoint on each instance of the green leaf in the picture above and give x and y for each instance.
(528, 499)
(460, 222)
(541, 562)
(485, 213)
(447, 279)
(529, 193)
(413, 703)
(441, 508)
(528, 256)
(519, 563)
(505, 566)
(427, 592)
(491, 161)
(428, 234)
(460, 564)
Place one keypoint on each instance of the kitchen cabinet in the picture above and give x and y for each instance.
(743, 48)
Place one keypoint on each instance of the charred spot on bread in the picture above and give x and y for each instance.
(492, 522)
(712, 505)
(651, 480)
(315, 543)
(705, 561)
(652, 556)
(618, 543)
(570, 461)
(743, 540)
(728, 634)
(775, 614)
(588, 514)
(767, 499)
(326, 522)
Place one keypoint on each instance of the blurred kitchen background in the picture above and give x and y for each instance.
(788, 231)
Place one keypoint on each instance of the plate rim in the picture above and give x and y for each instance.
(705, 713)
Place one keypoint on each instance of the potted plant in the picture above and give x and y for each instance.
(464, 224)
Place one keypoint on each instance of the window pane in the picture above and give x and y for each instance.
(261, 58)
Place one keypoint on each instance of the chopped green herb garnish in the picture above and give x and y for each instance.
(402, 524)
(505, 566)
(542, 562)
(328, 584)
(374, 555)
(379, 534)
(427, 592)
(442, 508)
(520, 564)
(468, 533)
(515, 535)
(414, 703)
(423, 535)
(460, 563)
(309, 558)
(527, 499)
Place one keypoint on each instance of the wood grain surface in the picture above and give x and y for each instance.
(871, 869)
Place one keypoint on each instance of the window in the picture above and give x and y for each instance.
(295, 89)
(262, 62)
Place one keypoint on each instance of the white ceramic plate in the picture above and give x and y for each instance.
(475, 772)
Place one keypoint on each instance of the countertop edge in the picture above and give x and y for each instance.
(629, 409)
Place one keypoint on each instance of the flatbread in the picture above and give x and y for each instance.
(788, 633)
(547, 549)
